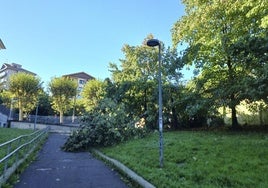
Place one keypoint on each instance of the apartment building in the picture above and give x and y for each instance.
(8, 69)
(82, 78)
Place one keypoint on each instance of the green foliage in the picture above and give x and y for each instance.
(189, 105)
(198, 159)
(6, 97)
(44, 105)
(135, 82)
(78, 108)
(218, 34)
(24, 89)
(93, 92)
(255, 56)
(107, 124)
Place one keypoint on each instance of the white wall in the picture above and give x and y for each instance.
(53, 128)
(3, 120)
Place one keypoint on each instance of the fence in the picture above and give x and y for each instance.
(15, 151)
(49, 119)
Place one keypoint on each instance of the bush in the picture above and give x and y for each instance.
(217, 121)
(106, 125)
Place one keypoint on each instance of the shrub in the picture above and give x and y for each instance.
(216, 121)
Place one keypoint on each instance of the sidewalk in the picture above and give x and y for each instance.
(54, 168)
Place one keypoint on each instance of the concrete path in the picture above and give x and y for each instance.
(54, 168)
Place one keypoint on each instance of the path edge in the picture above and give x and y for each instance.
(130, 173)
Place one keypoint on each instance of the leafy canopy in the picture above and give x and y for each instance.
(23, 88)
(214, 30)
(63, 90)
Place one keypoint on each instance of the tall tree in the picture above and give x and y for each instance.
(137, 78)
(44, 104)
(63, 90)
(93, 93)
(212, 28)
(24, 89)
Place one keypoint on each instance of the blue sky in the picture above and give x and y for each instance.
(56, 37)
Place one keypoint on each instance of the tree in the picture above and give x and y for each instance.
(212, 29)
(104, 125)
(137, 79)
(62, 90)
(44, 105)
(93, 93)
(23, 88)
(254, 55)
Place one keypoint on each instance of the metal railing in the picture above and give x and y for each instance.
(15, 151)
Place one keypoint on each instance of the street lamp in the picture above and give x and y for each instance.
(153, 43)
(37, 104)
(11, 109)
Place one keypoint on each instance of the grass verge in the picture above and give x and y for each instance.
(123, 176)
(7, 134)
(14, 178)
(198, 159)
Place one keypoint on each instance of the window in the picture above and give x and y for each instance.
(82, 82)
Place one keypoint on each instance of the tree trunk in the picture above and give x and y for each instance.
(224, 113)
(234, 118)
(174, 121)
(260, 114)
(73, 116)
(232, 96)
(20, 114)
(61, 117)
(233, 108)
(20, 111)
(145, 100)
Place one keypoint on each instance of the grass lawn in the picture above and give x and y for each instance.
(8, 133)
(198, 159)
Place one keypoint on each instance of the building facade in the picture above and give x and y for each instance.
(9, 69)
(81, 78)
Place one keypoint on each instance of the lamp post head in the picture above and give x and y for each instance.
(153, 42)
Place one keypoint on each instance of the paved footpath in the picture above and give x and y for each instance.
(55, 168)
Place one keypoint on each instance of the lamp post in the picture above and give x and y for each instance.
(37, 105)
(11, 109)
(36, 113)
(153, 43)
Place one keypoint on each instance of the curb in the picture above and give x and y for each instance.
(135, 177)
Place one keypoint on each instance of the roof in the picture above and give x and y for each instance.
(2, 46)
(15, 67)
(82, 75)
